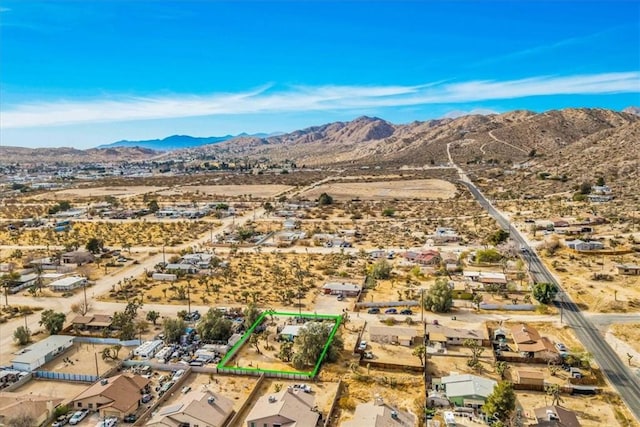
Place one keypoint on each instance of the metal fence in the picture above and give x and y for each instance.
(107, 341)
(66, 376)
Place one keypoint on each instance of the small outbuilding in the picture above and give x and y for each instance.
(36, 355)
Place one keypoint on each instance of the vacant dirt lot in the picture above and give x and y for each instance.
(386, 190)
(60, 389)
(83, 357)
(100, 192)
(254, 191)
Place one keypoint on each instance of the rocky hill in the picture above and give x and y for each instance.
(66, 155)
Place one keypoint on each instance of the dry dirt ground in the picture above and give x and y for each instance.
(235, 387)
(254, 191)
(83, 356)
(60, 389)
(629, 333)
(119, 192)
(385, 190)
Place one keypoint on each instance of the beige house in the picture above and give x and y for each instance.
(523, 376)
(555, 416)
(113, 397)
(38, 408)
(380, 414)
(289, 407)
(393, 334)
(196, 408)
(457, 336)
(529, 343)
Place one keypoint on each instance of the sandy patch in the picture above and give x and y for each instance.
(253, 191)
(385, 190)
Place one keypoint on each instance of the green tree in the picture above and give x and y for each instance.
(600, 181)
(311, 341)
(153, 317)
(476, 352)
(251, 314)
(439, 298)
(388, 212)
(123, 323)
(22, 335)
(94, 245)
(585, 188)
(498, 237)
(214, 326)
(488, 255)
(501, 368)
(419, 351)
(553, 391)
(325, 199)
(153, 206)
(500, 403)
(173, 329)
(381, 269)
(544, 292)
(52, 321)
(286, 351)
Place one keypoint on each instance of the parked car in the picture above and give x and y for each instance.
(78, 416)
(186, 389)
(340, 297)
(108, 422)
(362, 346)
(391, 311)
(146, 398)
(304, 387)
(131, 418)
(368, 355)
(407, 311)
(374, 310)
(561, 347)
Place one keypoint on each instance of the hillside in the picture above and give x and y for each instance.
(67, 155)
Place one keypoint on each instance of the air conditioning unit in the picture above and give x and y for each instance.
(211, 400)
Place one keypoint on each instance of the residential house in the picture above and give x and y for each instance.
(341, 288)
(200, 259)
(181, 268)
(467, 390)
(555, 416)
(77, 257)
(290, 224)
(560, 223)
(580, 245)
(67, 284)
(38, 408)
(456, 336)
(486, 277)
(392, 334)
(288, 407)
(529, 343)
(524, 376)
(113, 397)
(599, 198)
(23, 281)
(195, 408)
(429, 257)
(601, 189)
(629, 269)
(92, 322)
(444, 235)
(290, 332)
(380, 414)
(36, 355)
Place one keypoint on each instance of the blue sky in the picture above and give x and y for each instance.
(83, 73)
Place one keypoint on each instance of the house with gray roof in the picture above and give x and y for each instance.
(380, 414)
(467, 390)
(289, 407)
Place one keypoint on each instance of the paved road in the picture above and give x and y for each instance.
(614, 369)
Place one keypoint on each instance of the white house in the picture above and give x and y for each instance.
(580, 245)
(36, 355)
(67, 284)
(148, 349)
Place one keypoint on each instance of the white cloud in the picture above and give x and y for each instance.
(304, 98)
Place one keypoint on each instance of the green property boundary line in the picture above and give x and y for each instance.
(311, 316)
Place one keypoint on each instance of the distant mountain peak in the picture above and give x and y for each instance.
(632, 110)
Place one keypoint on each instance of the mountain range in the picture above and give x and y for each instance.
(177, 142)
(553, 139)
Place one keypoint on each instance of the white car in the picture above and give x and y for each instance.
(561, 347)
(108, 422)
(78, 416)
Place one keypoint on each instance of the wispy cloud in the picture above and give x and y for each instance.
(270, 99)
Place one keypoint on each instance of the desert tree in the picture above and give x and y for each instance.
(439, 298)
(52, 321)
(419, 351)
(22, 335)
(153, 316)
(500, 403)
